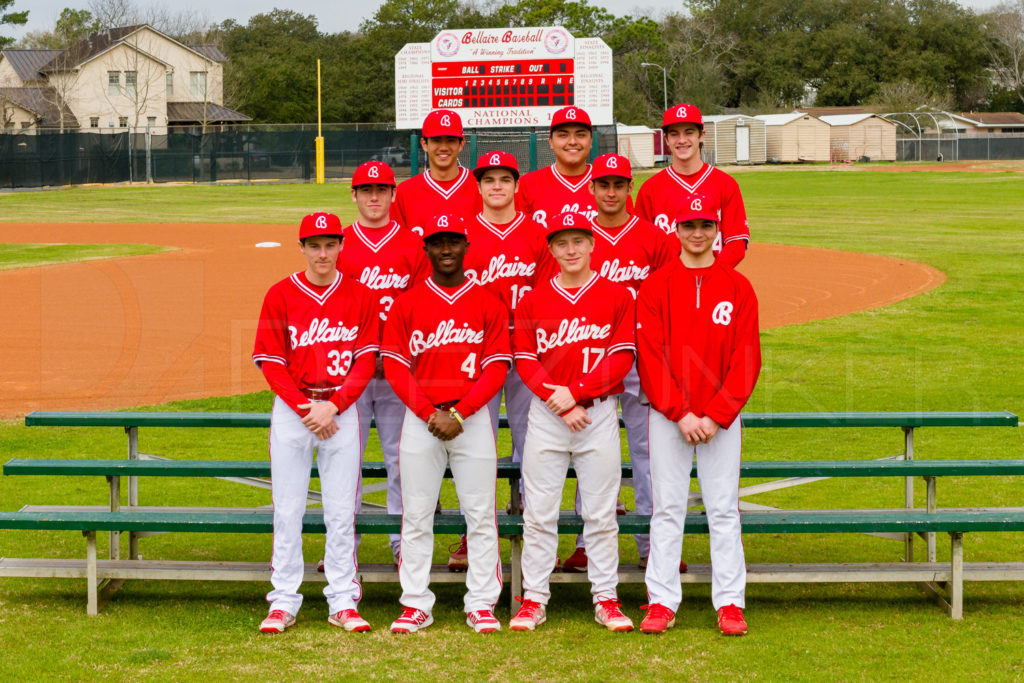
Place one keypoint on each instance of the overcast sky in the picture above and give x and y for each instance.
(333, 15)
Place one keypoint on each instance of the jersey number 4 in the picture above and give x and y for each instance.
(469, 365)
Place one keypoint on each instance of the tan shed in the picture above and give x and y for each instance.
(862, 135)
(636, 143)
(734, 139)
(796, 137)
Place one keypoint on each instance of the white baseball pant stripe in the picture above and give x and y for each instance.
(473, 459)
(379, 401)
(596, 454)
(339, 460)
(718, 471)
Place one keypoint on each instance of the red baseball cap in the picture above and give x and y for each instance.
(319, 224)
(682, 113)
(568, 221)
(696, 207)
(445, 222)
(496, 160)
(442, 122)
(373, 173)
(568, 115)
(611, 165)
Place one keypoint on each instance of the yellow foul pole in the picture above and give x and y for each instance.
(319, 132)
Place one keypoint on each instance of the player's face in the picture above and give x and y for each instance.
(443, 151)
(446, 252)
(611, 193)
(571, 144)
(697, 236)
(498, 188)
(321, 257)
(684, 140)
(373, 202)
(571, 248)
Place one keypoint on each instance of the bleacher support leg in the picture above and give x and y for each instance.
(92, 608)
(956, 589)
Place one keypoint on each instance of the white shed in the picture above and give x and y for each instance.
(853, 136)
(734, 139)
(796, 137)
(636, 143)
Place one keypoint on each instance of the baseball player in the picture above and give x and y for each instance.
(573, 344)
(659, 197)
(316, 344)
(388, 260)
(699, 358)
(446, 353)
(445, 187)
(627, 249)
(563, 186)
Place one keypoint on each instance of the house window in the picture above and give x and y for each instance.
(151, 121)
(94, 122)
(113, 82)
(130, 81)
(197, 83)
(122, 121)
(170, 85)
(26, 124)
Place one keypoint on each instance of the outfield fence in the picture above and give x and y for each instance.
(988, 147)
(245, 153)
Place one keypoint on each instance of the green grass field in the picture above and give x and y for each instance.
(958, 347)
(27, 255)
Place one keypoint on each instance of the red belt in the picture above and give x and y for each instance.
(447, 405)
(319, 394)
(591, 402)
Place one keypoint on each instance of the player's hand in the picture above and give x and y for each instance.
(710, 428)
(320, 419)
(577, 419)
(692, 429)
(560, 400)
(442, 425)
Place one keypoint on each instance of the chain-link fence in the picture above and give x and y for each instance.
(995, 146)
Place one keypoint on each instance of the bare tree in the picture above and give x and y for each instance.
(140, 76)
(62, 83)
(910, 96)
(1005, 27)
(697, 54)
(180, 24)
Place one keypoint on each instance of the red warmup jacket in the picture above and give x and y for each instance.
(698, 346)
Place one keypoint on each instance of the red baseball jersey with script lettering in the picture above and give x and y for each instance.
(508, 260)
(546, 192)
(388, 260)
(659, 198)
(420, 198)
(581, 338)
(446, 337)
(316, 333)
(630, 252)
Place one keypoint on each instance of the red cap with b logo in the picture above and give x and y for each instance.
(682, 113)
(373, 173)
(697, 207)
(445, 222)
(319, 224)
(442, 122)
(568, 115)
(568, 221)
(496, 160)
(611, 165)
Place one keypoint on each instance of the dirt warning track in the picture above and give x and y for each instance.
(148, 329)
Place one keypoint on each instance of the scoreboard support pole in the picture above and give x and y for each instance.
(414, 154)
(319, 132)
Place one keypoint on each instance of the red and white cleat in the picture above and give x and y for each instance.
(609, 614)
(731, 621)
(277, 621)
(530, 615)
(658, 618)
(349, 620)
(483, 621)
(412, 620)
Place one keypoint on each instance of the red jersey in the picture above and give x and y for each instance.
(387, 260)
(660, 195)
(580, 338)
(698, 341)
(508, 260)
(630, 252)
(546, 192)
(420, 198)
(316, 334)
(445, 340)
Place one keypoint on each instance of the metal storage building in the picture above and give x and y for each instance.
(636, 143)
(796, 137)
(734, 139)
(861, 135)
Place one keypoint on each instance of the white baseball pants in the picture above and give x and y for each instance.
(473, 457)
(339, 460)
(517, 409)
(718, 471)
(596, 454)
(380, 401)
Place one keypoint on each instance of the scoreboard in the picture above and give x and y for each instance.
(503, 77)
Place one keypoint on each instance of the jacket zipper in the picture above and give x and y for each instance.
(699, 278)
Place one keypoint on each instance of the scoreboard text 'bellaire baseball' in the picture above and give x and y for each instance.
(503, 77)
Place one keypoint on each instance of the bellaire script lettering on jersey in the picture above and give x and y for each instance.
(611, 270)
(499, 268)
(570, 332)
(374, 279)
(320, 330)
(446, 333)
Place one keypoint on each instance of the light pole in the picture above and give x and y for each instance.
(664, 82)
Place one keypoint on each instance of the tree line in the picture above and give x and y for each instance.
(737, 55)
